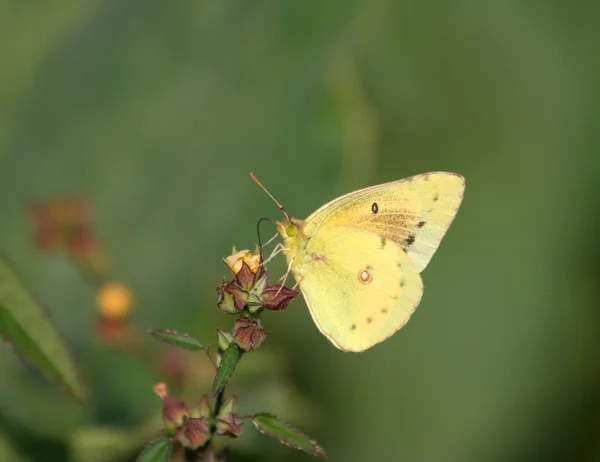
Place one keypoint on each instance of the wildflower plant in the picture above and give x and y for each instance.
(195, 427)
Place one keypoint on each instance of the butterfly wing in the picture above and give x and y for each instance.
(359, 288)
(414, 212)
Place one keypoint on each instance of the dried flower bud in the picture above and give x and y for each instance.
(174, 412)
(246, 278)
(227, 424)
(250, 288)
(248, 333)
(228, 302)
(193, 433)
(62, 222)
(277, 297)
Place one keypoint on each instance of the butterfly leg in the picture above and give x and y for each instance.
(301, 276)
(276, 250)
(271, 240)
(285, 276)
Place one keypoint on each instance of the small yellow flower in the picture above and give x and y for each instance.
(236, 261)
(114, 301)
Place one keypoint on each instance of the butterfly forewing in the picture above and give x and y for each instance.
(414, 212)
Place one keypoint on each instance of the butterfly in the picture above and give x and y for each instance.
(357, 259)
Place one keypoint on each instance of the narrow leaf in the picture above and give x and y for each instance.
(26, 326)
(178, 339)
(230, 358)
(283, 432)
(158, 450)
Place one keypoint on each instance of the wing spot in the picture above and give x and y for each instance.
(383, 242)
(375, 208)
(365, 275)
(402, 282)
(316, 257)
(421, 224)
(436, 197)
(410, 239)
(384, 310)
(369, 320)
(353, 327)
(426, 178)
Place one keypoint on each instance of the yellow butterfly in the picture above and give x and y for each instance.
(357, 259)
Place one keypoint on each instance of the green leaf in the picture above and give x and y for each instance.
(178, 339)
(230, 358)
(272, 426)
(28, 328)
(158, 450)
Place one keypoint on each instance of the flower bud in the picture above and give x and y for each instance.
(227, 424)
(202, 409)
(193, 433)
(248, 333)
(277, 297)
(237, 260)
(224, 339)
(227, 301)
(114, 301)
(174, 412)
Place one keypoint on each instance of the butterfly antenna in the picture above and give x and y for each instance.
(270, 195)
(260, 246)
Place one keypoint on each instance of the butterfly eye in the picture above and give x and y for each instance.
(291, 230)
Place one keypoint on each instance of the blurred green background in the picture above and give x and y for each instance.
(159, 110)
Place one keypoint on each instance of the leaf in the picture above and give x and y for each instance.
(230, 358)
(178, 339)
(158, 450)
(26, 326)
(283, 432)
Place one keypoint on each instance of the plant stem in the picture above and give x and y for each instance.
(190, 455)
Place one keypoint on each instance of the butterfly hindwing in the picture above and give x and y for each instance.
(414, 212)
(360, 287)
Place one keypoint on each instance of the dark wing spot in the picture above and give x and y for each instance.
(436, 197)
(375, 207)
(399, 265)
(369, 320)
(353, 327)
(384, 310)
(383, 241)
(402, 282)
(421, 224)
(410, 239)
(426, 178)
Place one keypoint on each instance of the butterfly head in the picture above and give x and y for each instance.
(289, 229)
